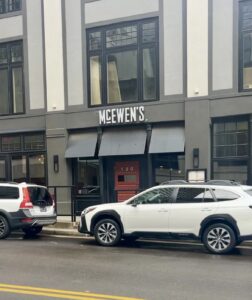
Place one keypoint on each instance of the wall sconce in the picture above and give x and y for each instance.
(195, 158)
(56, 163)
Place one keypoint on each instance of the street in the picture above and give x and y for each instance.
(72, 266)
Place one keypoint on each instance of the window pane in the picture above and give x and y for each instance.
(11, 143)
(17, 83)
(123, 36)
(149, 74)
(122, 77)
(94, 40)
(247, 60)
(14, 5)
(88, 180)
(2, 6)
(190, 195)
(149, 32)
(9, 192)
(16, 53)
(156, 196)
(34, 142)
(3, 55)
(18, 167)
(37, 169)
(222, 195)
(95, 80)
(4, 102)
(2, 170)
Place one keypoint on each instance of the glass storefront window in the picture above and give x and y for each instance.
(2, 170)
(18, 168)
(88, 178)
(37, 169)
(168, 167)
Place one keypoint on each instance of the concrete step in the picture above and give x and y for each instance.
(64, 225)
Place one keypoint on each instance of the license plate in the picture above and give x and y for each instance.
(43, 209)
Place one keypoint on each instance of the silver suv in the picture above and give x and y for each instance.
(25, 206)
(217, 213)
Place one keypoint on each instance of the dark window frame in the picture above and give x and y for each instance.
(10, 66)
(103, 52)
(8, 4)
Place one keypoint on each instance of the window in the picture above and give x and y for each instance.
(88, 178)
(123, 63)
(194, 195)
(246, 45)
(230, 150)
(11, 78)
(9, 192)
(7, 6)
(222, 195)
(157, 196)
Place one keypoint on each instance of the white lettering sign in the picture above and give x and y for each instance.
(121, 115)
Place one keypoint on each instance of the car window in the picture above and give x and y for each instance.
(223, 195)
(190, 195)
(162, 195)
(8, 192)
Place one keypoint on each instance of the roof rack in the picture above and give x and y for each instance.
(223, 182)
(174, 182)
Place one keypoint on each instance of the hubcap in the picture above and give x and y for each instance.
(107, 233)
(2, 226)
(218, 239)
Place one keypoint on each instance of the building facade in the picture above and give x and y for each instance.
(114, 96)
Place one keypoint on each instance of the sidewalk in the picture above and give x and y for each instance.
(64, 226)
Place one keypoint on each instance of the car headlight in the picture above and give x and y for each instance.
(87, 210)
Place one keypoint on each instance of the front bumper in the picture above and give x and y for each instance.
(82, 227)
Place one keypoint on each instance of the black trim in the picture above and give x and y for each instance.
(106, 214)
(163, 235)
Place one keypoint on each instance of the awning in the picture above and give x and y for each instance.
(81, 145)
(123, 142)
(166, 139)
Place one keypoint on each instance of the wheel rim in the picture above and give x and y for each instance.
(107, 233)
(218, 239)
(2, 226)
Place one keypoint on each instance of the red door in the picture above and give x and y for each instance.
(126, 179)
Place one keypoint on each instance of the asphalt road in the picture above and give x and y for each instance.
(146, 270)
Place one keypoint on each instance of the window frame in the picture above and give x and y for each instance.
(7, 10)
(103, 52)
(10, 66)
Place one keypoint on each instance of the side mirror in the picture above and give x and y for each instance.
(134, 204)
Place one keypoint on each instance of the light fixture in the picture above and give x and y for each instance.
(56, 163)
(195, 158)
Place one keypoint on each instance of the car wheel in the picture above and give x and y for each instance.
(107, 232)
(32, 231)
(4, 227)
(219, 238)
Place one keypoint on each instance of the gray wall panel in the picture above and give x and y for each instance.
(173, 47)
(74, 52)
(222, 44)
(11, 27)
(35, 54)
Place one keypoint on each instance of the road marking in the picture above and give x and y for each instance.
(62, 294)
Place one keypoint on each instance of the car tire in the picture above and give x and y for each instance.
(219, 238)
(107, 232)
(32, 231)
(4, 227)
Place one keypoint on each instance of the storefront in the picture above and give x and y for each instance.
(123, 156)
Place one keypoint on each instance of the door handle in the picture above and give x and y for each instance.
(206, 209)
(163, 210)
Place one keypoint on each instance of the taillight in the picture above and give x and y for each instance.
(26, 203)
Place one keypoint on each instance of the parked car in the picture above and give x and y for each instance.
(218, 213)
(25, 206)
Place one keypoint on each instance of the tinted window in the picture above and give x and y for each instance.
(190, 195)
(157, 196)
(222, 195)
(40, 196)
(7, 192)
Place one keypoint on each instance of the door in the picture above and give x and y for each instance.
(149, 211)
(192, 205)
(126, 179)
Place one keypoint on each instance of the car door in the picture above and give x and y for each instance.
(149, 211)
(192, 205)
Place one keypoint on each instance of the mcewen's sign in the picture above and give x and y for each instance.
(122, 115)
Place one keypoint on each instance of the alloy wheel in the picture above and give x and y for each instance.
(107, 233)
(2, 226)
(219, 239)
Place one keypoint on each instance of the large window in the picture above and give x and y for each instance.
(246, 45)
(11, 78)
(123, 63)
(230, 150)
(7, 6)
(23, 158)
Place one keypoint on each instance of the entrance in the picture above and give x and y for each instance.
(126, 179)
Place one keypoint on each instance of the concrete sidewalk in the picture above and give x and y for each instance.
(64, 226)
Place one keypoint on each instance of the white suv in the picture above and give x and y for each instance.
(217, 213)
(25, 206)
